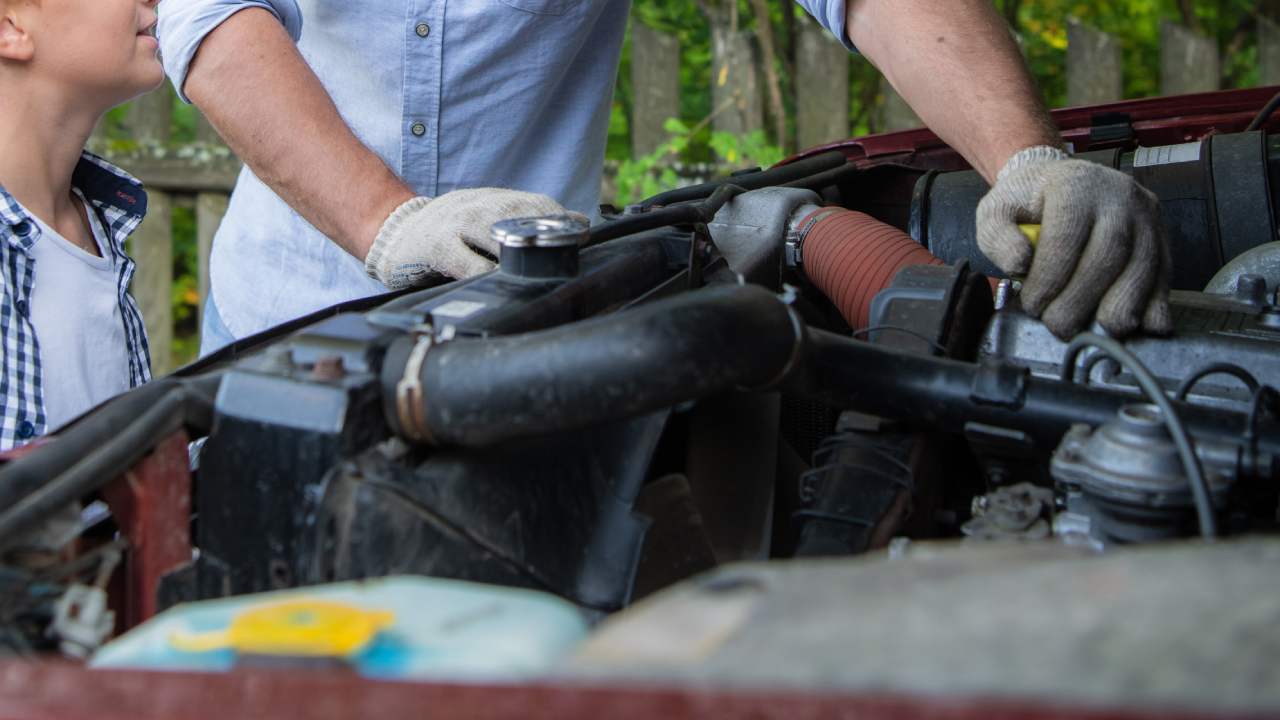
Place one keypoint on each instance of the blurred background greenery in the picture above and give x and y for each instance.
(774, 28)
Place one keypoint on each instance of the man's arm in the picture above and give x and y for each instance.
(958, 67)
(250, 81)
(1102, 250)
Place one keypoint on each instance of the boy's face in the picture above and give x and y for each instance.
(101, 50)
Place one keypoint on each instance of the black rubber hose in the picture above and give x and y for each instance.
(950, 395)
(481, 392)
(780, 175)
(101, 447)
(686, 214)
(81, 437)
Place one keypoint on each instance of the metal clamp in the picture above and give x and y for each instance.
(797, 347)
(411, 400)
(802, 221)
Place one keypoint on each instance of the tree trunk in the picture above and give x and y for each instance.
(777, 108)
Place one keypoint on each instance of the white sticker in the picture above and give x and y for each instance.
(458, 309)
(1168, 155)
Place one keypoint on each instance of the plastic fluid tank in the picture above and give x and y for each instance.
(390, 628)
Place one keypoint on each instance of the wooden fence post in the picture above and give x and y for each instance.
(1268, 51)
(655, 82)
(735, 94)
(150, 117)
(149, 120)
(152, 248)
(1095, 68)
(822, 95)
(210, 208)
(1189, 62)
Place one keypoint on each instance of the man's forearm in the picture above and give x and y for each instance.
(957, 66)
(250, 81)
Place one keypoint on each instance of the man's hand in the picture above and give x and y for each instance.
(441, 235)
(1101, 244)
(957, 65)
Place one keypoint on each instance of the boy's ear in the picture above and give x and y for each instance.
(15, 42)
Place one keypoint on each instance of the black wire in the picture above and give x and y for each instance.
(780, 175)
(703, 211)
(1267, 111)
(1151, 387)
(1233, 370)
(906, 331)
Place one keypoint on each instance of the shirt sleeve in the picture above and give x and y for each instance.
(832, 15)
(184, 25)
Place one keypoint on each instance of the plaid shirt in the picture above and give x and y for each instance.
(120, 204)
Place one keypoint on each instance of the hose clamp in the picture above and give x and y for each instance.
(802, 221)
(411, 399)
(798, 327)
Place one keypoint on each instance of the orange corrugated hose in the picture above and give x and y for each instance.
(851, 256)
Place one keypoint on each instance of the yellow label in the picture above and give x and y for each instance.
(308, 628)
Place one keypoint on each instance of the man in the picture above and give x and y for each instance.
(365, 142)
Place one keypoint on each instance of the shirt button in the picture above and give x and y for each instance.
(423, 30)
(21, 305)
(418, 129)
(23, 228)
(26, 430)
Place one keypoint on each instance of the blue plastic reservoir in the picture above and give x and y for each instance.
(442, 630)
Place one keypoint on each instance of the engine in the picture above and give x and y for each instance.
(787, 363)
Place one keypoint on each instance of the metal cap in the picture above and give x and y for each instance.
(541, 232)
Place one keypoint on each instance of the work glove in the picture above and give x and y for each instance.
(426, 236)
(1101, 245)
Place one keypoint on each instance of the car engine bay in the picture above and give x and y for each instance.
(813, 360)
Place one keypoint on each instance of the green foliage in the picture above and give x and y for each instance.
(647, 176)
(185, 295)
(1042, 28)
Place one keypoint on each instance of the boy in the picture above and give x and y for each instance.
(70, 334)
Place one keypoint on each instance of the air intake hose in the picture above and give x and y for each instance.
(851, 257)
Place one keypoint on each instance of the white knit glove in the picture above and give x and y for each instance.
(1102, 244)
(440, 235)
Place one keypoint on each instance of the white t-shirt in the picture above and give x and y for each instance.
(75, 309)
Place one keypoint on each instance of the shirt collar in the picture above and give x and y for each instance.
(104, 185)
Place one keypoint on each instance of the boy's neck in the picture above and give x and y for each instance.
(42, 134)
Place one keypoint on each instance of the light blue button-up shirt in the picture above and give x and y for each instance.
(449, 93)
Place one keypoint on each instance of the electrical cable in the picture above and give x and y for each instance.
(688, 213)
(1151, 387)
(1223, 368)
(1267, 111)
(779, 175)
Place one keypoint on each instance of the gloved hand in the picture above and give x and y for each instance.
(440, 235)
(1102, 245)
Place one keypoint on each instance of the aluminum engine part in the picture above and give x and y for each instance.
(1209, 329)
(1262, 262)
(1019, 512)
(1127, 478)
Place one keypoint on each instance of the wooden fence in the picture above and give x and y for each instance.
(202, 174)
